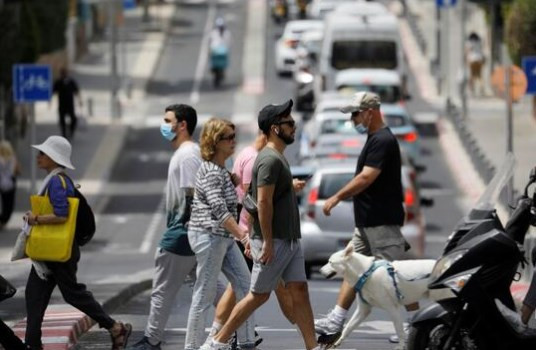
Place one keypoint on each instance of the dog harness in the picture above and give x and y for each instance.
(364, 278)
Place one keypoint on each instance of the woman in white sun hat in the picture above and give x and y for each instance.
(54, 156)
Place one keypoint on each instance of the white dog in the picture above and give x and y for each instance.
(390, 286)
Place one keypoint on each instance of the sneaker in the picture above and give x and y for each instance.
(327, 325)
(394, 338)
(144, 344)
(234, 341)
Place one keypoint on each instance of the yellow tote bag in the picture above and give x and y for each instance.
(52, 242)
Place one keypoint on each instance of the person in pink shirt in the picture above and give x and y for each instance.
(243, 170)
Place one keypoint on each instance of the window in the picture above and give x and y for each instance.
(394, 120)
(332, 183)
(387, 93)
(364, 54)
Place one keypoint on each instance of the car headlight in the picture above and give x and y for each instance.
(445, 263)
(459, 281)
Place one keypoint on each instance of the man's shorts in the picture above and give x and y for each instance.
(384, 242)
(288, 264)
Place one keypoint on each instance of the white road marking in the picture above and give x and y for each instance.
(153, 227)
(203, 54)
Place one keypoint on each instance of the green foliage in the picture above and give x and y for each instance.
(27, 29)
(521, 30)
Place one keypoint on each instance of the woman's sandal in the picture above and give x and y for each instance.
(120, 339)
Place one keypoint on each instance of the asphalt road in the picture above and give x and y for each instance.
(132, 220)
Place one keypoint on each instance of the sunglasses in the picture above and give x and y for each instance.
(41, 153)
(229, 137)
(355, 114)
(290, 123)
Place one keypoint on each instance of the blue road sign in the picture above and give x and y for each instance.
(32, 82)
(529, 67)
(129, 4)
(446, 3)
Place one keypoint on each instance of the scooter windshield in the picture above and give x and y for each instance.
(488, 199)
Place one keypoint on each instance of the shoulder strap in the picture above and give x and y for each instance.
(63, 184)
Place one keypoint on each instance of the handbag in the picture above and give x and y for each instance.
(250, 204)
(6, 289)
(52, 242)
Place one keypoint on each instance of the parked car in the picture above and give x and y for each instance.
(285, 50)
(323, 235)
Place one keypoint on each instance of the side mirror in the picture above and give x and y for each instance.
(427, 202)
(532, 175)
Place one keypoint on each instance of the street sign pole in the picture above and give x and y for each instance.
(33, 141)
(509, 117)
(32, 83)
(114, 110)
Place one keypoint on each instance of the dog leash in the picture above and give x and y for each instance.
(364, 278)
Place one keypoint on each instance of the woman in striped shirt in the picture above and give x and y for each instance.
(211, 233)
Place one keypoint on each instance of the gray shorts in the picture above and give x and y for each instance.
(384, 242)
(288, 264)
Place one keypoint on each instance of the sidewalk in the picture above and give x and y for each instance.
(95, 150)
(486, 116)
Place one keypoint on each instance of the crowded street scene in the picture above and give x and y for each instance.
(267, 174)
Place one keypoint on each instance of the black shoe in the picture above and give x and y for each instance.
(144, 344)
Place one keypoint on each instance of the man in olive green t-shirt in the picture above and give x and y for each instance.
(275, 244)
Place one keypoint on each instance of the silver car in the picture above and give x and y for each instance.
(323, 235)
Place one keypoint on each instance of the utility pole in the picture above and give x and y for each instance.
(438, 49)
(463, 84)
(114, 86)
(509, 116)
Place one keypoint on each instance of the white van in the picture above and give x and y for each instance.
(360, 42)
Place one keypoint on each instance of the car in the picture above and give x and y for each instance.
(323, 235)
(331, 121)
(320, 8)
(285, 50)
(384, 82)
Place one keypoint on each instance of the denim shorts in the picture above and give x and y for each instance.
(288, 264)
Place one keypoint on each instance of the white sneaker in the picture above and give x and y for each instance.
(327, 325)
(394, 338)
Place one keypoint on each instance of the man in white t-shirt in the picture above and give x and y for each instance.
(174, 259)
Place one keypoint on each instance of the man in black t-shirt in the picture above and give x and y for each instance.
(377, 194)
(67, 88)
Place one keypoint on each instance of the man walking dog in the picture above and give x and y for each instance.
(376, 190)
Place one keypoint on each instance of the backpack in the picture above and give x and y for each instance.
(85, 219)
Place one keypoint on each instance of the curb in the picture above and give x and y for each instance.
(63, 325)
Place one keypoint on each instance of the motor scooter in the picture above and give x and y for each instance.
(219, 60)
(478, 265)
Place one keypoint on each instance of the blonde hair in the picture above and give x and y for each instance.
(6, 151)
(211, 134)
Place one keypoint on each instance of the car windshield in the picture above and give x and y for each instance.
(488, 200)
(387, 93)
(345, 126)
(332, 183)
(364, 54)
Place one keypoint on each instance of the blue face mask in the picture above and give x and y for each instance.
(360, 128)
(165, 130)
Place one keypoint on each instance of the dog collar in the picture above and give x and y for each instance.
(376, 264)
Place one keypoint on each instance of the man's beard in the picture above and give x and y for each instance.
(287, 139)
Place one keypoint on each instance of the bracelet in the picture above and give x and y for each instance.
(244, 240)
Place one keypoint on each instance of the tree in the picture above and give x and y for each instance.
(28, 28)
(521, 33)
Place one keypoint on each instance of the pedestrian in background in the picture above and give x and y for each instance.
(475, 60)
(54, 156)
(174, 259)
(213, 227)
(67, 88)
(376, 190)
(9, 170)
(275, 242)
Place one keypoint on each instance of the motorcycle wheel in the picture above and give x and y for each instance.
(419, 335)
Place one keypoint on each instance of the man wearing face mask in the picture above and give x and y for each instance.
(377, 193)
(174, 260)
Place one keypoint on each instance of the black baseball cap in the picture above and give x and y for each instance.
(269, 115)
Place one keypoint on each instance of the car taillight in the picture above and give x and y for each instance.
(338, 156)
(350, 143)
(409, 137)
(291, 43)
(311, 201)
(409, 198)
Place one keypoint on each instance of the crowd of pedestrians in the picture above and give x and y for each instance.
(209, 234)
